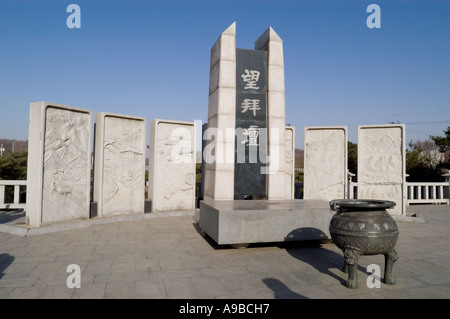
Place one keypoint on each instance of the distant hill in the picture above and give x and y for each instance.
(17, 146)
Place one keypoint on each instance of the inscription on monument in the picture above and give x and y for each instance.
(251, 122)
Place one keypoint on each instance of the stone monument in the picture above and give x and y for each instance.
(246, 119)
(119, 172)
(172, 165)
(382, 164)
(59, 163)
(325, 162)
(249, 152)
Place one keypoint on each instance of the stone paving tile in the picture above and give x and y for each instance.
(150, 290)
(90, 291)
(19, 270)
(99, 266)
(57, 292)
(436, 278)
(166, 257)
(17, 282)
(120, 290)
(26, 293)
(179, 288)
(170, 263)
(5, 292)
(123, 266)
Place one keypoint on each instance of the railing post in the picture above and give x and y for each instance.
(2, 194)
(15, 203)
(448, 194)
(350, 185)
(16, 194)
(408, 194)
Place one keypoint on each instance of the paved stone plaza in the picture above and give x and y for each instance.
(166, 257)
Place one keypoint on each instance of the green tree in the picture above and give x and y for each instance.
(352, 160)
(298, 177)
(13, 167)
(443, 141)
(421, 165)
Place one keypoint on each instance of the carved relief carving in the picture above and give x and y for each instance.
(381, 157)
(380, 165)
(325, 164)
(65, 165)
(123, 166)
(174, 159)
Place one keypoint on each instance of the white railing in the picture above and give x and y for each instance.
(417, 193)
(16, 204)
(351, 186)
(428, 193)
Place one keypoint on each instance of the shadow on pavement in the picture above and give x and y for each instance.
(8, 216)
(322, 259)
(5, 261)
(280, 290)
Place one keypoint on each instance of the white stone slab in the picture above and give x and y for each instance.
(221, 115)
(382, 164)
(290, 162)
(59, 163)
(119, 175)
(172, 165)
(325, 162)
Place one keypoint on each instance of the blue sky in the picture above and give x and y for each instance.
(151, 58)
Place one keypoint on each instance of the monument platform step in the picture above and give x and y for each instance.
(241, 222)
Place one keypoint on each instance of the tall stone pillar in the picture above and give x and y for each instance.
(276, 117)
(219, 173)
(246, 120)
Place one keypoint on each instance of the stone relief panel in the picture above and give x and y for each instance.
(174, 170)
(381, 165)
(66, 161)
(325, 163)
(123, 166)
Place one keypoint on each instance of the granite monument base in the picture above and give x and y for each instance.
(242, 222)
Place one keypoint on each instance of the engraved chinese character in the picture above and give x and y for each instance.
(250, 104)
(250, 77)
(251, 135)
